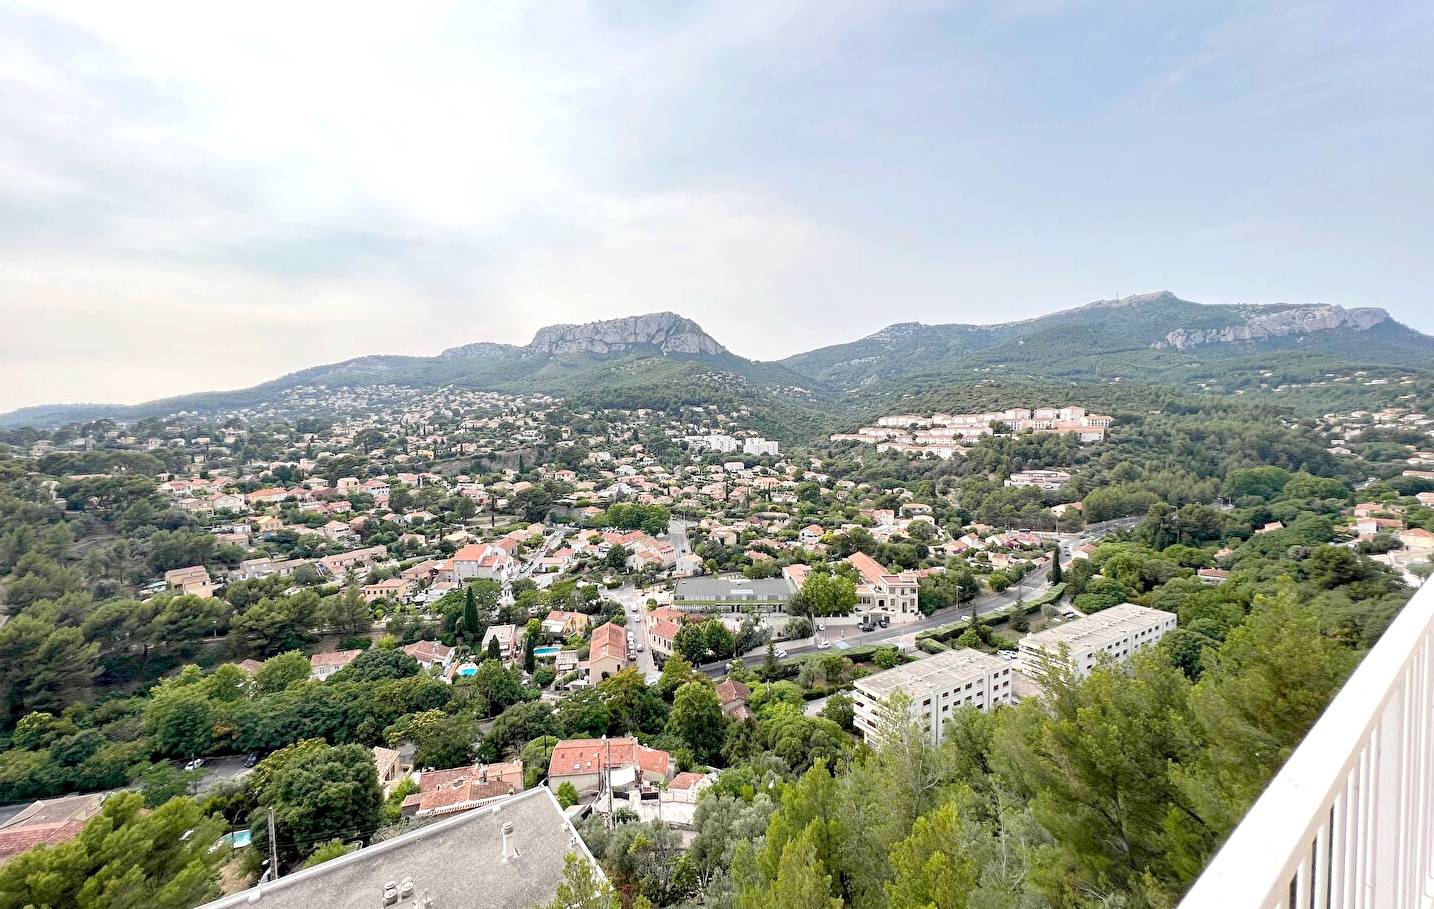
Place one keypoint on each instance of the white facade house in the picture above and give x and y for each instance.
(937, 686)
(1118, 631)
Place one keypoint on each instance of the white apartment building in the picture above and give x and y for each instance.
(756, 445)
(1118, 631)
(937, 686)
(1044, 479)
(722, 443)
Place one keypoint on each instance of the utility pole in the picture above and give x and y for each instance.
(273, 850)
(607, 778)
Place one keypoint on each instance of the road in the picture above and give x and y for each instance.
(217, 771)
(634, 604)
(221, 770)
(677, 536)
(1033, 585)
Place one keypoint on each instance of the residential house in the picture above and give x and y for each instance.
(323, 665)
(430, 654)
(583, 762)
(389, 764)
(510, 642)
(733, 696)
(607, 652)
(193, 580)
(563, 624)
(392, 588)
(445, 792)
(883, 593)
(48, 822)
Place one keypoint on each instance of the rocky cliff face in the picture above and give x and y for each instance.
(668, 332)
(1295, 321)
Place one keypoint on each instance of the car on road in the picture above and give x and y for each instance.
(781, 654)
(823, 645)
(252, 759)
(194, 764)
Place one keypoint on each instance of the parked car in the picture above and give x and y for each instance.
(781, 654)
(823, 645)
(252, 759)
(194, 764)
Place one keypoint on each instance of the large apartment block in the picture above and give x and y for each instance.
(1118, 631)
(937, 686)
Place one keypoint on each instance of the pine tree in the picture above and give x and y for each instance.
(470, 616)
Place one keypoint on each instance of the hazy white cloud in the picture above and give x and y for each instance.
(199, 198)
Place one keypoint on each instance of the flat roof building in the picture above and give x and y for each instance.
(1118, 631)
(937, 686)
(731, 592)
(505, 855)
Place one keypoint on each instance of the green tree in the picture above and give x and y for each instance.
(698, 720)
(332, 792)
(932, 871)
(180, 721)
(800, 880)
(472, 629)
(163, 781)
(531, 637)
(582, 887)
(826, 593)
(280, 671)
(377, 664)
(124, 857)
(567, 794)
(331, 850)
(676, 672)
(632, 705)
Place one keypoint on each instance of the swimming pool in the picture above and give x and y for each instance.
(549, 651)
(467, 669)
(237, 839)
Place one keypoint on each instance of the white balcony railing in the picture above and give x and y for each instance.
(1348, 823)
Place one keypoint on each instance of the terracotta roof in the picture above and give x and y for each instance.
(16, 840)
(685, 780)
(577, 757)
(449, 791)
(336, 658)
(608, 640)
(730, 691)
(867, 567)
(428, 651)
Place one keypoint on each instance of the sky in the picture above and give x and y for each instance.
(198, 197)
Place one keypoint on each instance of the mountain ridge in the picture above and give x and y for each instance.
(668, 358)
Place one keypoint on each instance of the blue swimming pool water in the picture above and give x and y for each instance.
(468, 670)
(546, 651)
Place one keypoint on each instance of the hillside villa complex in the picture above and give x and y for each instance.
(942, 434)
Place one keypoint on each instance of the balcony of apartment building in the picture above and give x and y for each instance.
(1348, 822)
